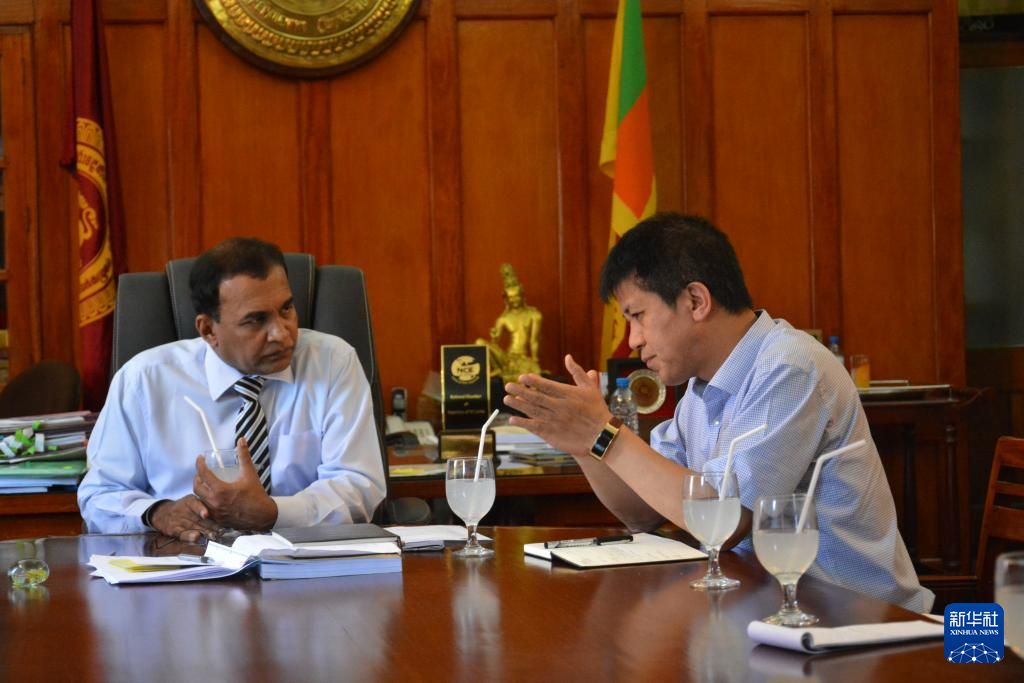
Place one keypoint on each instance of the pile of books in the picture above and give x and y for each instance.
(43, 452)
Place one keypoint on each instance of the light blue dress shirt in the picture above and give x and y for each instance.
(783, 377)
(325, 460)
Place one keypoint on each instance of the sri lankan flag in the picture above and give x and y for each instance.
(89, 151)
(626, 154)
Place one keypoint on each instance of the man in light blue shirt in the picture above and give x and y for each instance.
(680, 286)
(322, 462)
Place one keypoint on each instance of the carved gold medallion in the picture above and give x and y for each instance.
(308, 38)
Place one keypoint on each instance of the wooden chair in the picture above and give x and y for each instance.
(1002, 525)
(51, 386)
(1003, 522)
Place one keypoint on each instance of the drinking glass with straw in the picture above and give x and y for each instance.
(222, 462)
(470, 490)
(711, 511)
(786, 541)
(209, 432)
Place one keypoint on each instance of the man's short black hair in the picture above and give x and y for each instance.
(235, 256)
(668, 251)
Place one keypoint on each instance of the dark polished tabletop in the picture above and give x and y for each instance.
(441, 619)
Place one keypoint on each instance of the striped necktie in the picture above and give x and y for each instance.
(252, 424)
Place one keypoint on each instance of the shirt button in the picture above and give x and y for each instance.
(715, 423)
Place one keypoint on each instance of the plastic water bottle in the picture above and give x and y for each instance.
(623, 406)
(833, 346)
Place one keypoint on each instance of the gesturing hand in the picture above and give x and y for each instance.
(567, 416)
(186, 519)
(242, 504)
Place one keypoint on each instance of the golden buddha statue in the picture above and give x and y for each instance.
(522, 322)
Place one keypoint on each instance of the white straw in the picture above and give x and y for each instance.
(732, 451)
(822, 459)
(209, 432)
(480, 450)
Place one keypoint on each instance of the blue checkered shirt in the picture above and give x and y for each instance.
(783, 377)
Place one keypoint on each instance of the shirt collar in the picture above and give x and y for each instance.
(220, 377)
(734, 371)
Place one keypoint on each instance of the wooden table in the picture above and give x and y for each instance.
(442, 619)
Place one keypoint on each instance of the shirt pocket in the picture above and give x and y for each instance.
(297, 458)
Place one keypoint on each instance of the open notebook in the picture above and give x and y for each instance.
(644, 549)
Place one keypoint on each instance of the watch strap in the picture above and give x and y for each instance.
(605, 438)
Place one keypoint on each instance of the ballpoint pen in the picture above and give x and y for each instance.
(583, 542)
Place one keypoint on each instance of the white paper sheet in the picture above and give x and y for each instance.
(272, 545)
(189, 571)
(817, 640)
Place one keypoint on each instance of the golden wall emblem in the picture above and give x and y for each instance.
(309, 38)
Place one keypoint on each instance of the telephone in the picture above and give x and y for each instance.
(420, 429)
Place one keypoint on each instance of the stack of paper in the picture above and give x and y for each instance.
(41, 452)
(318, 551)
(36, 476)
(131, 569)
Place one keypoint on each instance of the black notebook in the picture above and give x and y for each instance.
(336, 534)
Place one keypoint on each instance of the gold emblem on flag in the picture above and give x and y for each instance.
(309, 38)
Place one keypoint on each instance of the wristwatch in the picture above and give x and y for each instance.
(605, 438)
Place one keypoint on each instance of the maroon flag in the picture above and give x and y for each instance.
(90, 153)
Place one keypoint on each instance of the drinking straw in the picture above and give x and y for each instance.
(480, 450)
(822, 459)
(209, 432)
(732, 451)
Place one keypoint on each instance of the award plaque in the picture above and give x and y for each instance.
(307, 38)
(465, 386)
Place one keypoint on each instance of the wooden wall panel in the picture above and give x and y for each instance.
(140, 125)
(885, 193)
(249, 150)
(510, 211)
(814, 131)
(380, 200)
(760, 163)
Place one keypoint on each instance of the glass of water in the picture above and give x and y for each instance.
(1010, 595)
(469, 487)
(711, 518)
(223, 463)
(785, 551)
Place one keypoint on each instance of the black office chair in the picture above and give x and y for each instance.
(156, 308)
(51, 386)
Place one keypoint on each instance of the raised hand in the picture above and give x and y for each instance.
(567, 416)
